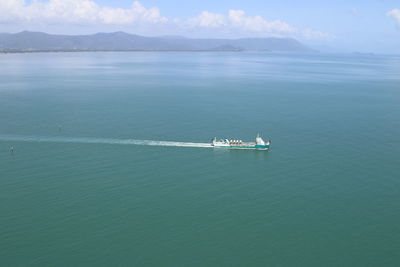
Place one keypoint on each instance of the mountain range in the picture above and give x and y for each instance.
(120, 41)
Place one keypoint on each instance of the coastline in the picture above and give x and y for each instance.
(133, 50)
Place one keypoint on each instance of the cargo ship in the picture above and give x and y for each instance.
(259, 144)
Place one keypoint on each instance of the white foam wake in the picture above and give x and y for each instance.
(89, 140)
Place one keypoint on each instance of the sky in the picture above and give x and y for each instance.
(331, 26)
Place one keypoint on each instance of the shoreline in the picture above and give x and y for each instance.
(136, 50)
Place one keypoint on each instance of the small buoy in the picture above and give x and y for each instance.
(12, 150)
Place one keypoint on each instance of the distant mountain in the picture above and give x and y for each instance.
(121, 41)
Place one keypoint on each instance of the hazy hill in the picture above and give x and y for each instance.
(121, 41)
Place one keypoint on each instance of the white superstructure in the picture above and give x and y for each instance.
(259, 144)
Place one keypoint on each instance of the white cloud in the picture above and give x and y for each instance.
(75, 11)
(145, 20)
(238, 19)
(207, 19)
(236, 22)
(395, 13)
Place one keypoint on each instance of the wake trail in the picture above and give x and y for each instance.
(89, 140)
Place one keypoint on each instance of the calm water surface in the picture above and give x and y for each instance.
(326, 194)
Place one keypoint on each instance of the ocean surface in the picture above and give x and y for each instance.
(103, 162)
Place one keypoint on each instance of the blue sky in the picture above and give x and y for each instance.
(366, 26)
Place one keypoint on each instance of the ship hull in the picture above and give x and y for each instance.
(259, 144)
(254, 147)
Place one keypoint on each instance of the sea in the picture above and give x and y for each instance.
(104, 159)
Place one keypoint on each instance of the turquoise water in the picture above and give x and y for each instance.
(73, 192)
